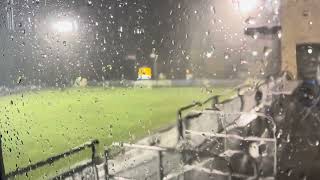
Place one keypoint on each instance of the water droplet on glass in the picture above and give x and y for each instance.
(209, 54)
(254, 53)
(288, 138)
(120, 29)
(279, 133)
(226, 56)
(19, 80)
(313, 141)
(242, 61)
(89, 3)
(234, 68)
(266, 51)
(279, 34)
(303, 177)
(250, 20)
(289, 172)
(212, 9)
(255, 35)
(305, 13)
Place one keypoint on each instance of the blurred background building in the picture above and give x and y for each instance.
(300, 25)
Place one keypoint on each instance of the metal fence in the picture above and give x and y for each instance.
(212, 160)
(78, 169)
(201, 160)
(159, 151)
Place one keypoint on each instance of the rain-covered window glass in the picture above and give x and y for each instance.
(159, 89)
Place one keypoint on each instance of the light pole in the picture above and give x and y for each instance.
(155, 56)
(155, 67)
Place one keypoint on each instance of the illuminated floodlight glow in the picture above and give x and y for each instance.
(65, 26)
(247, 5)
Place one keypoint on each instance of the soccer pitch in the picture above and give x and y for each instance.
(36, 125)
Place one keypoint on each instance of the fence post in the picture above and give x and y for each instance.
(214, 102)
(106, 166)
(93, 151)
(180, 129)
(161, 170)
(2, 170)
(241, 99)
(93, 158)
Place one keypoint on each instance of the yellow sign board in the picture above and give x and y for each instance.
(145, 73)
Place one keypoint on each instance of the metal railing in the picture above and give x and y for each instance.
(203, 152)
(51, 160)
(214, 101)
(223, 134)
(259, 104)
(2, 171)
(77, 169)
(273, 139)
(161, 153)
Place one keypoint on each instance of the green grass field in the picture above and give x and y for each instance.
(36, 125)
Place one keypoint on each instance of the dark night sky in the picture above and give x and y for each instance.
(182, 32)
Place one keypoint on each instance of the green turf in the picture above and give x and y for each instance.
(36, 125)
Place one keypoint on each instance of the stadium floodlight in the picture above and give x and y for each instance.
(246, 6)
(65, 26)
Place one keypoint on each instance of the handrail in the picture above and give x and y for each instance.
(258, 98)
(180, 121)
(160, 151)
(72, 171)
(205, 152)
(273, 139)
(214, 99)
(55, 158)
